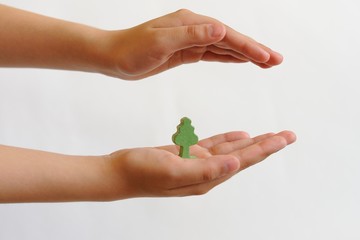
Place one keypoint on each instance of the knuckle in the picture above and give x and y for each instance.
(192, 31)
(209, 174)
(183, 11)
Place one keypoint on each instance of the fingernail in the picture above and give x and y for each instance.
(216, 30)
(232, 165)
(265, 55)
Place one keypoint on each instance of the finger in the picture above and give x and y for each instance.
(231, 40)
(222, 51)
(248, 157)
(244, 45)
(211, 57)
(261, 150)
(179, 38)
(228, 147)
(275, 57)
(256, 51)
(197, 171)
(221, 138)
(262, 65)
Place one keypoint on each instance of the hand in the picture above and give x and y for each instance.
(145, 172)
(28, 175)
(179, 38)
(145, 50)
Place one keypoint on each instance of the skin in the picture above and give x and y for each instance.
(182, 37)
(35, 176)
(31, 40)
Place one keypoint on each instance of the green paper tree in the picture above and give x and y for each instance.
(185, 137)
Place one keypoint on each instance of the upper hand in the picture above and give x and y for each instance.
(179, 38)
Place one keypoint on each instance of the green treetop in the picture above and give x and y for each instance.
(185, 137)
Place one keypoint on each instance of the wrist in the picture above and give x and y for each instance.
(93, 53)
(106, 54)
(101, 179)
(115, 176)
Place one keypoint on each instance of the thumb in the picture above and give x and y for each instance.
(195, 35)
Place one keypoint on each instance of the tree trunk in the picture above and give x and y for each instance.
(185, 151)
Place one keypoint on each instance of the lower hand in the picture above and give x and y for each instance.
(146, 172)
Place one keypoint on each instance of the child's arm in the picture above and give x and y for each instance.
(36, 176)
(32, 40)
(28, 175)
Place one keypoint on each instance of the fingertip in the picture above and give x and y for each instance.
(217, 31)
(279, 142)
(289, 136)
(280, 58)
(242, 134)
(231, 165)
(268, 58)
(265, 57)
(225, 164)
(276, 58)
(261, 55)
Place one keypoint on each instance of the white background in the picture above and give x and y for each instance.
(308, 191)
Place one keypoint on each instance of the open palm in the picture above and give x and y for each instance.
(160, 172)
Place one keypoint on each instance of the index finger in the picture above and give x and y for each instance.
(245, 45)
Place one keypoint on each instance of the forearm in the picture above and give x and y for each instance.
(37, 176)
(32, 40)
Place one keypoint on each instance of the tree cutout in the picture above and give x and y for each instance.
(185, 137)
